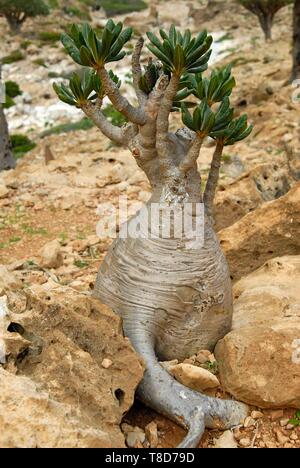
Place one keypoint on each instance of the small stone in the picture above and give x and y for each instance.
(51, 255)
(288, 445)
(203, 356)
(126, 428)
(275, 414)
(134, 437)
(106, 363)
(257, 415)
(3, 191)
(194, 377)
(151, 434)
(226, 440)
(290, 426)
(293, 436)
(249, 422)
(245, 442)
(284, 422)
(281, 438)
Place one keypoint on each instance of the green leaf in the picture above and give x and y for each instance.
(179, 61)
(86, 57)
(161, 56)
(71, 48)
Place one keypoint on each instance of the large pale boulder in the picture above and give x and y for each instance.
(57, 345)
(271, 230)
(263, 183)
(30, 418)
(259, 361)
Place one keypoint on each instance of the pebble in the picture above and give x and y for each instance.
(135, 437)
(226, 440)
(152, 434)
(106, 363)
(245, 442)
(275, 414)
(284, 422)
(249, 421)
(257, 415)
(3, 191)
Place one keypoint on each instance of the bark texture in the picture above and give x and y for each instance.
(6, 157)
(296, 41)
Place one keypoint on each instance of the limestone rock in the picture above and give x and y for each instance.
(30, 418)
(259, 361)
(66, 336)
(268, 293)
(194, 377)
(263, 183)
(8, 280)
(52, 255)
(152, 434)
(226, 440)
(269, 231)
(4, 191)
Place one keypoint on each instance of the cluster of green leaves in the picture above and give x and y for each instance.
(296, 419)
(49, 36)
(21, 144)
(83, 88)
(216, 87)
(12, 90)
(83, 124)
(87, 49)
(177, 53)
(181, 53)
(218, 124)
(150, 76)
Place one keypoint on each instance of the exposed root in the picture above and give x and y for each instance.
(188, 408)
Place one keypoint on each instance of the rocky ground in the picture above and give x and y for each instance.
(58, 347)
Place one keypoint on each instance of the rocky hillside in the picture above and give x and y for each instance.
(63, 353)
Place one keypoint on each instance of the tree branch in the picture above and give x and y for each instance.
(134, 115)
(190, 160)
(147, 132)
(137, 70)
(111, 131)
(213, 177)
(162, 124)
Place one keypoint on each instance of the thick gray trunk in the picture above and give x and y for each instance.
(174, 300)
(6, 157)
(296, 41)
(266, 22)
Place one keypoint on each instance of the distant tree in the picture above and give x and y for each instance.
(296, 41)
(265, 10)
(17, 11)
(6, 157)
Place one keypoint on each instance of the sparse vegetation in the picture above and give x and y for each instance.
(49, 36)
(21, 144)
(113, 8)
(83, 124)
(14, 56)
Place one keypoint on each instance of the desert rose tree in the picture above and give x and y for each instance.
(265, 10)
(17, 11)
(174, 297)
(6, 156)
